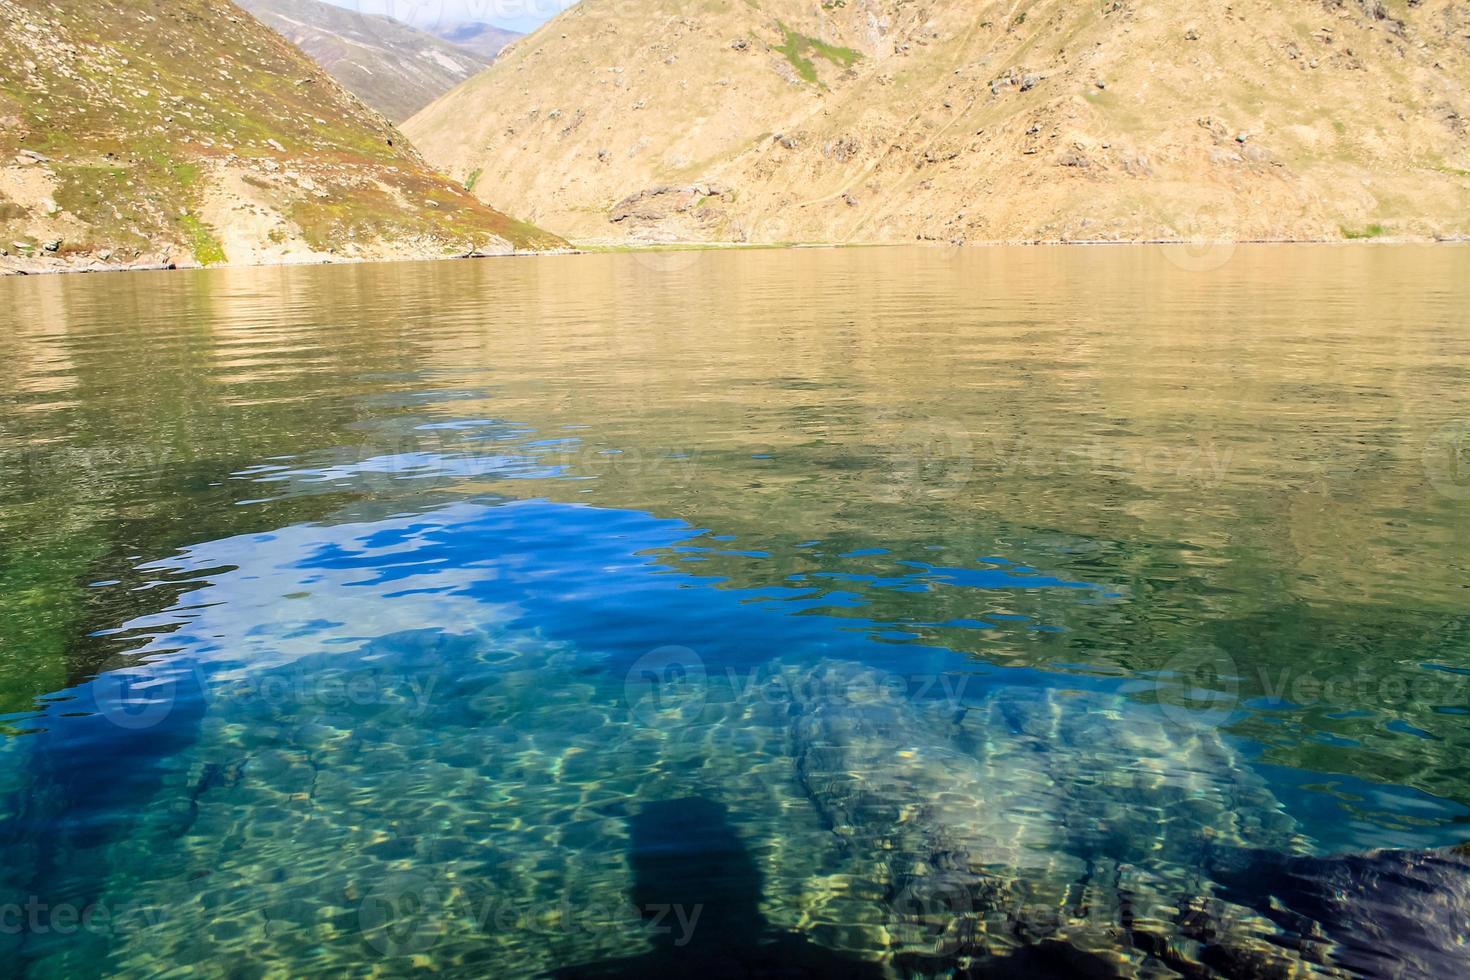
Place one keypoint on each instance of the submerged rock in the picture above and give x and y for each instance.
(1383, 913)
(1040, 833)
(1031, 829)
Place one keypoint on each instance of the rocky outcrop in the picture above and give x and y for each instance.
(1384, 913)
(664, 212)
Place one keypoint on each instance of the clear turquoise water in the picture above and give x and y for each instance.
(886, 613)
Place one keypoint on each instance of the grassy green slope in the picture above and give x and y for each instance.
(190, 130)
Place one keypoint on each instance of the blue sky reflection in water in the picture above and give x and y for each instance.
(444, 666)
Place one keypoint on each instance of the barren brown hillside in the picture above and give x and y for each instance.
(951, 120)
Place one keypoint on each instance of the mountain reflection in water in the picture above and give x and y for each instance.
(1021, 611)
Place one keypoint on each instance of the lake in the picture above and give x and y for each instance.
(862, 612)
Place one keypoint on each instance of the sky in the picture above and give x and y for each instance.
(517, 15)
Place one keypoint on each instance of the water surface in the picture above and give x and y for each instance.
(891, 609)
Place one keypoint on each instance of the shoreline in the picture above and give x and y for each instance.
(90, 265)
(84, 266)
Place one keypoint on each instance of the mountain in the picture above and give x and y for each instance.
(975, 120)
(392, 67)
(186, 132)
(485, 40)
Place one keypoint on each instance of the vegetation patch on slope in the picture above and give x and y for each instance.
(796, 45)
(1371, 231)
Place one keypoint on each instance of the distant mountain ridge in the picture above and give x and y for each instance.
(186, 132)
(395, 68)
(975, 120)
(486, 40)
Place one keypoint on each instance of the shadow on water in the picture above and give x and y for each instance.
(699, 891)
(90, 783)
